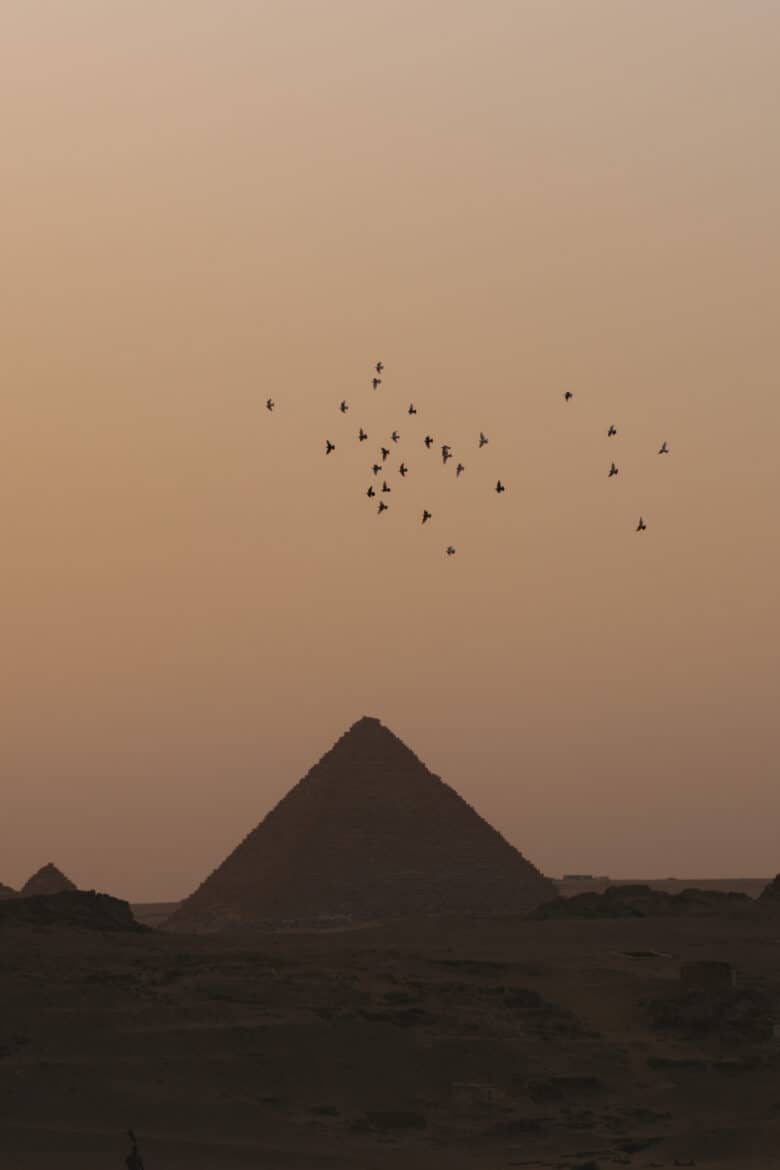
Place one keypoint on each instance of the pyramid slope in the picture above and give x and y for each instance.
(368, 832)
(6, 891)
(48, 880)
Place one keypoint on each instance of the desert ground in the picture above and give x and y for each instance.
(425, 1043)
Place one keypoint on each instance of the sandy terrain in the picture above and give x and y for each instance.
(425, 1044)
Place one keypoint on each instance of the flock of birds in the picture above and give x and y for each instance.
(446, 454)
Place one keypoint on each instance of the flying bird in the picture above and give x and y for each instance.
(376, 468)
(385, 488)
(664, 449)
(379, 367)
(500, 487)
(376, 382)
(459, 469)
(269, 404)
(450, 551)
(382, 507)
(641, 526)
(446, 453)
(329, 447)
(428, 441)
(426, 515)
(613, 470)
(612, 431)
(568, 395)
(403, 469)
(343, 406)
(362, 435)
(395, 436)
(482, 440)
(385, 453)
(370, 493)
(412, 408)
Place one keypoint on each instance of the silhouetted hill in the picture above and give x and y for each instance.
(6, 891)
(368, 833)
(641, 901)
(48, 880)
(73, 908)
(771, 893)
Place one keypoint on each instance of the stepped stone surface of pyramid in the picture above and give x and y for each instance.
(48, 880)
(368, 833)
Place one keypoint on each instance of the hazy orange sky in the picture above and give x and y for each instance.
(204, 203)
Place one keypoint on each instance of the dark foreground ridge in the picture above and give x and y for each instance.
(771, 893)
(71, 908)
(368, 833)
(640, 901)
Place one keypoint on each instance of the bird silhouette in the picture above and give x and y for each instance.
(269, 404)
(482, 440)
(613, 470)
(428, 440)
(379, 367)
(641, 526)
(403, 469)
(370, 493)
(395, 436)
(459, 469)
(612, 431)
(426, 516)
(450, 551)
(382, 507)
(376, 468)
(376, 382)
(412, 408)
(664, 449)
(385, 488)
(446, 453)
(343, 406)
(500, 487)
(362, 435)
(329, 447)
(568, 395)
(385, 453)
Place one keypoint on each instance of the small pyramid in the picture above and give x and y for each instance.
(48, 880)
(368, 833)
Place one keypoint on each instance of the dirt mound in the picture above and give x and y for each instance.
(48, 880)
(640, 901)
(368, 833)
(79, 908)
(742, 1014)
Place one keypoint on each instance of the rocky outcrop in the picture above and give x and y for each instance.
(71, 908)
(368, 833)
(640, 901)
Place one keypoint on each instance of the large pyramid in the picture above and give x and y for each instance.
(368, 833)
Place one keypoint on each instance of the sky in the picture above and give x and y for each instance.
(207, 202)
